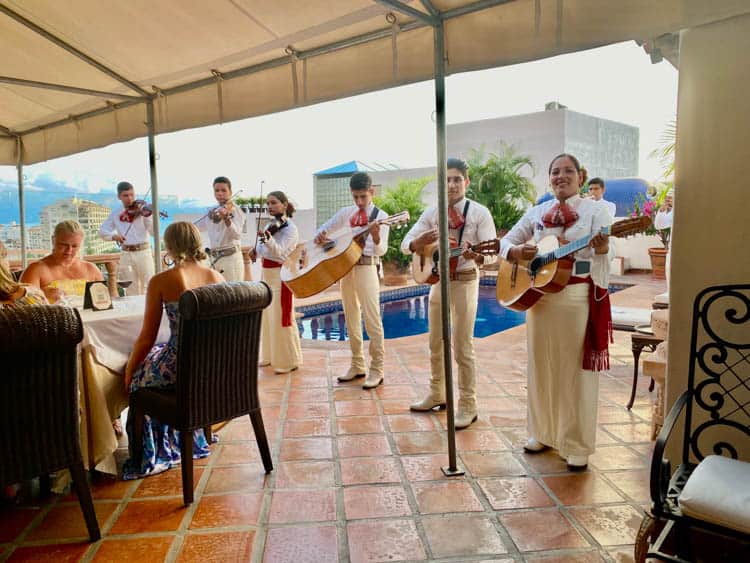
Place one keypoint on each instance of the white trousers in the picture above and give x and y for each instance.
(279, 345)
(231, 267)
(360, 296)
(562, 397)
(142, 262)
(464, 296)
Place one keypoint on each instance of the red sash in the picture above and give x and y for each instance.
(598, 327)
(286, 295)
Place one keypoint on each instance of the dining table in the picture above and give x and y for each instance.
(108, 339)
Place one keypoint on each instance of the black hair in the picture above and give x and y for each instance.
(360, 181)
(459, 164)
(597, 181)
(123, 187)
(222, 180)
(566, 155)
(281, 196)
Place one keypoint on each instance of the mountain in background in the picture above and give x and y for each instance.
(45, 191)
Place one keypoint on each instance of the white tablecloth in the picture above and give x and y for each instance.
(110, 335)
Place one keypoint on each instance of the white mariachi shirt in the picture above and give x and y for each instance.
(221, 235)
(341, 220)
(479, 227)
(592, 216)
(280, 245)
(136, 232)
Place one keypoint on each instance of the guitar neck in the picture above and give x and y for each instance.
(569, 248)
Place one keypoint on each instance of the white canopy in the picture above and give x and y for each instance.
(76, 75)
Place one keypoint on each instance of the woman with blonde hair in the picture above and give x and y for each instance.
(12, 292)
(156, 365)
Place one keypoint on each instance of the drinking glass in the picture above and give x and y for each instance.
(125, 277)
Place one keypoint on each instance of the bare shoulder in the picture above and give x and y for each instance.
(34, 272)
(92, 272)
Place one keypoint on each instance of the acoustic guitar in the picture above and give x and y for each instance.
(312, 267)
(521, 284)
(424, 264)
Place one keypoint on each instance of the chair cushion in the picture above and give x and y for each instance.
(718, 491)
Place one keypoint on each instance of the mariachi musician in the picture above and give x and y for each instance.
(224, 224)
(130, 227)
(360, 288)
(469, 223)
(280, 344)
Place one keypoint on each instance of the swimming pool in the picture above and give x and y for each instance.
(407, 315)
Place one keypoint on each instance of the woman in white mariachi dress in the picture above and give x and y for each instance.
(280, 344)
(567, 331)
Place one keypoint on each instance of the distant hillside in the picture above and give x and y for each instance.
(35, 199)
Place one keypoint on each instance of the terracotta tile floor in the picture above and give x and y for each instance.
(357, 477)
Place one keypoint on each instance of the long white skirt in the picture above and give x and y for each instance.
(562, 397)
(279, 345)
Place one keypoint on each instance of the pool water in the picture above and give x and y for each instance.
(409, 316)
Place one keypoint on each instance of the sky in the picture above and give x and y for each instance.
(617, 82)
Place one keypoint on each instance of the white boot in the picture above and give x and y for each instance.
(428, 403)
(466, 414)
(533, 445)
(373, 380)
(577, 462)
(353, 373)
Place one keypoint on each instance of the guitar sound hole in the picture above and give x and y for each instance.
(435, 257)
(534, 266)
(329, 245)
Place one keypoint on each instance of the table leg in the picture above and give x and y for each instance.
(636, 355)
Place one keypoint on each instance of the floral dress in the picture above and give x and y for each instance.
(161, 443)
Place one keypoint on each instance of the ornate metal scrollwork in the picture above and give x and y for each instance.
(718, 419)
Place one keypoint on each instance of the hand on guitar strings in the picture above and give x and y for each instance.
(525, 251)
(321, 238)
(428, 237)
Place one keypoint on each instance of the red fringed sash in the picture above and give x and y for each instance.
(286, 295)
(455, 219)
(598, 327)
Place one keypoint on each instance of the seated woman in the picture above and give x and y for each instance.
(14, 293)
(155, 366)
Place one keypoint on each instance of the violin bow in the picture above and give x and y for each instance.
(257, 218)
(217, 207)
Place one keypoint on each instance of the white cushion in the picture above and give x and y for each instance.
(718, 491)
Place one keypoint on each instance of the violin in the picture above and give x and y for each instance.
(273, 227)
(220, 213)
(139, 208)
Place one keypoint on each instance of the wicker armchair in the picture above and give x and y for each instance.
(217, 367)
(704, 506)
(39, 398)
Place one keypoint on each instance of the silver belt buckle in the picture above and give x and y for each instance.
(582, 267)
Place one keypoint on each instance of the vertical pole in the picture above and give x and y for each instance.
(445, 310)
(154, 183)
(21, 206)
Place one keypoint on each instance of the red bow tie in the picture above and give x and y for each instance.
(455, 219)
(359, 219)
(560, 216)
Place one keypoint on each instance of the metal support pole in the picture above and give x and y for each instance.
(154, 183)
(445, 310)
(21, 206)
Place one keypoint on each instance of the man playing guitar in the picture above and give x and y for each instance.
(360, 288)
(469, 223)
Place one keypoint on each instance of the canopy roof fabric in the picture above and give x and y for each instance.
(76, 75)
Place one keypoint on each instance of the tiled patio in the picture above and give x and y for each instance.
(357, 477)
